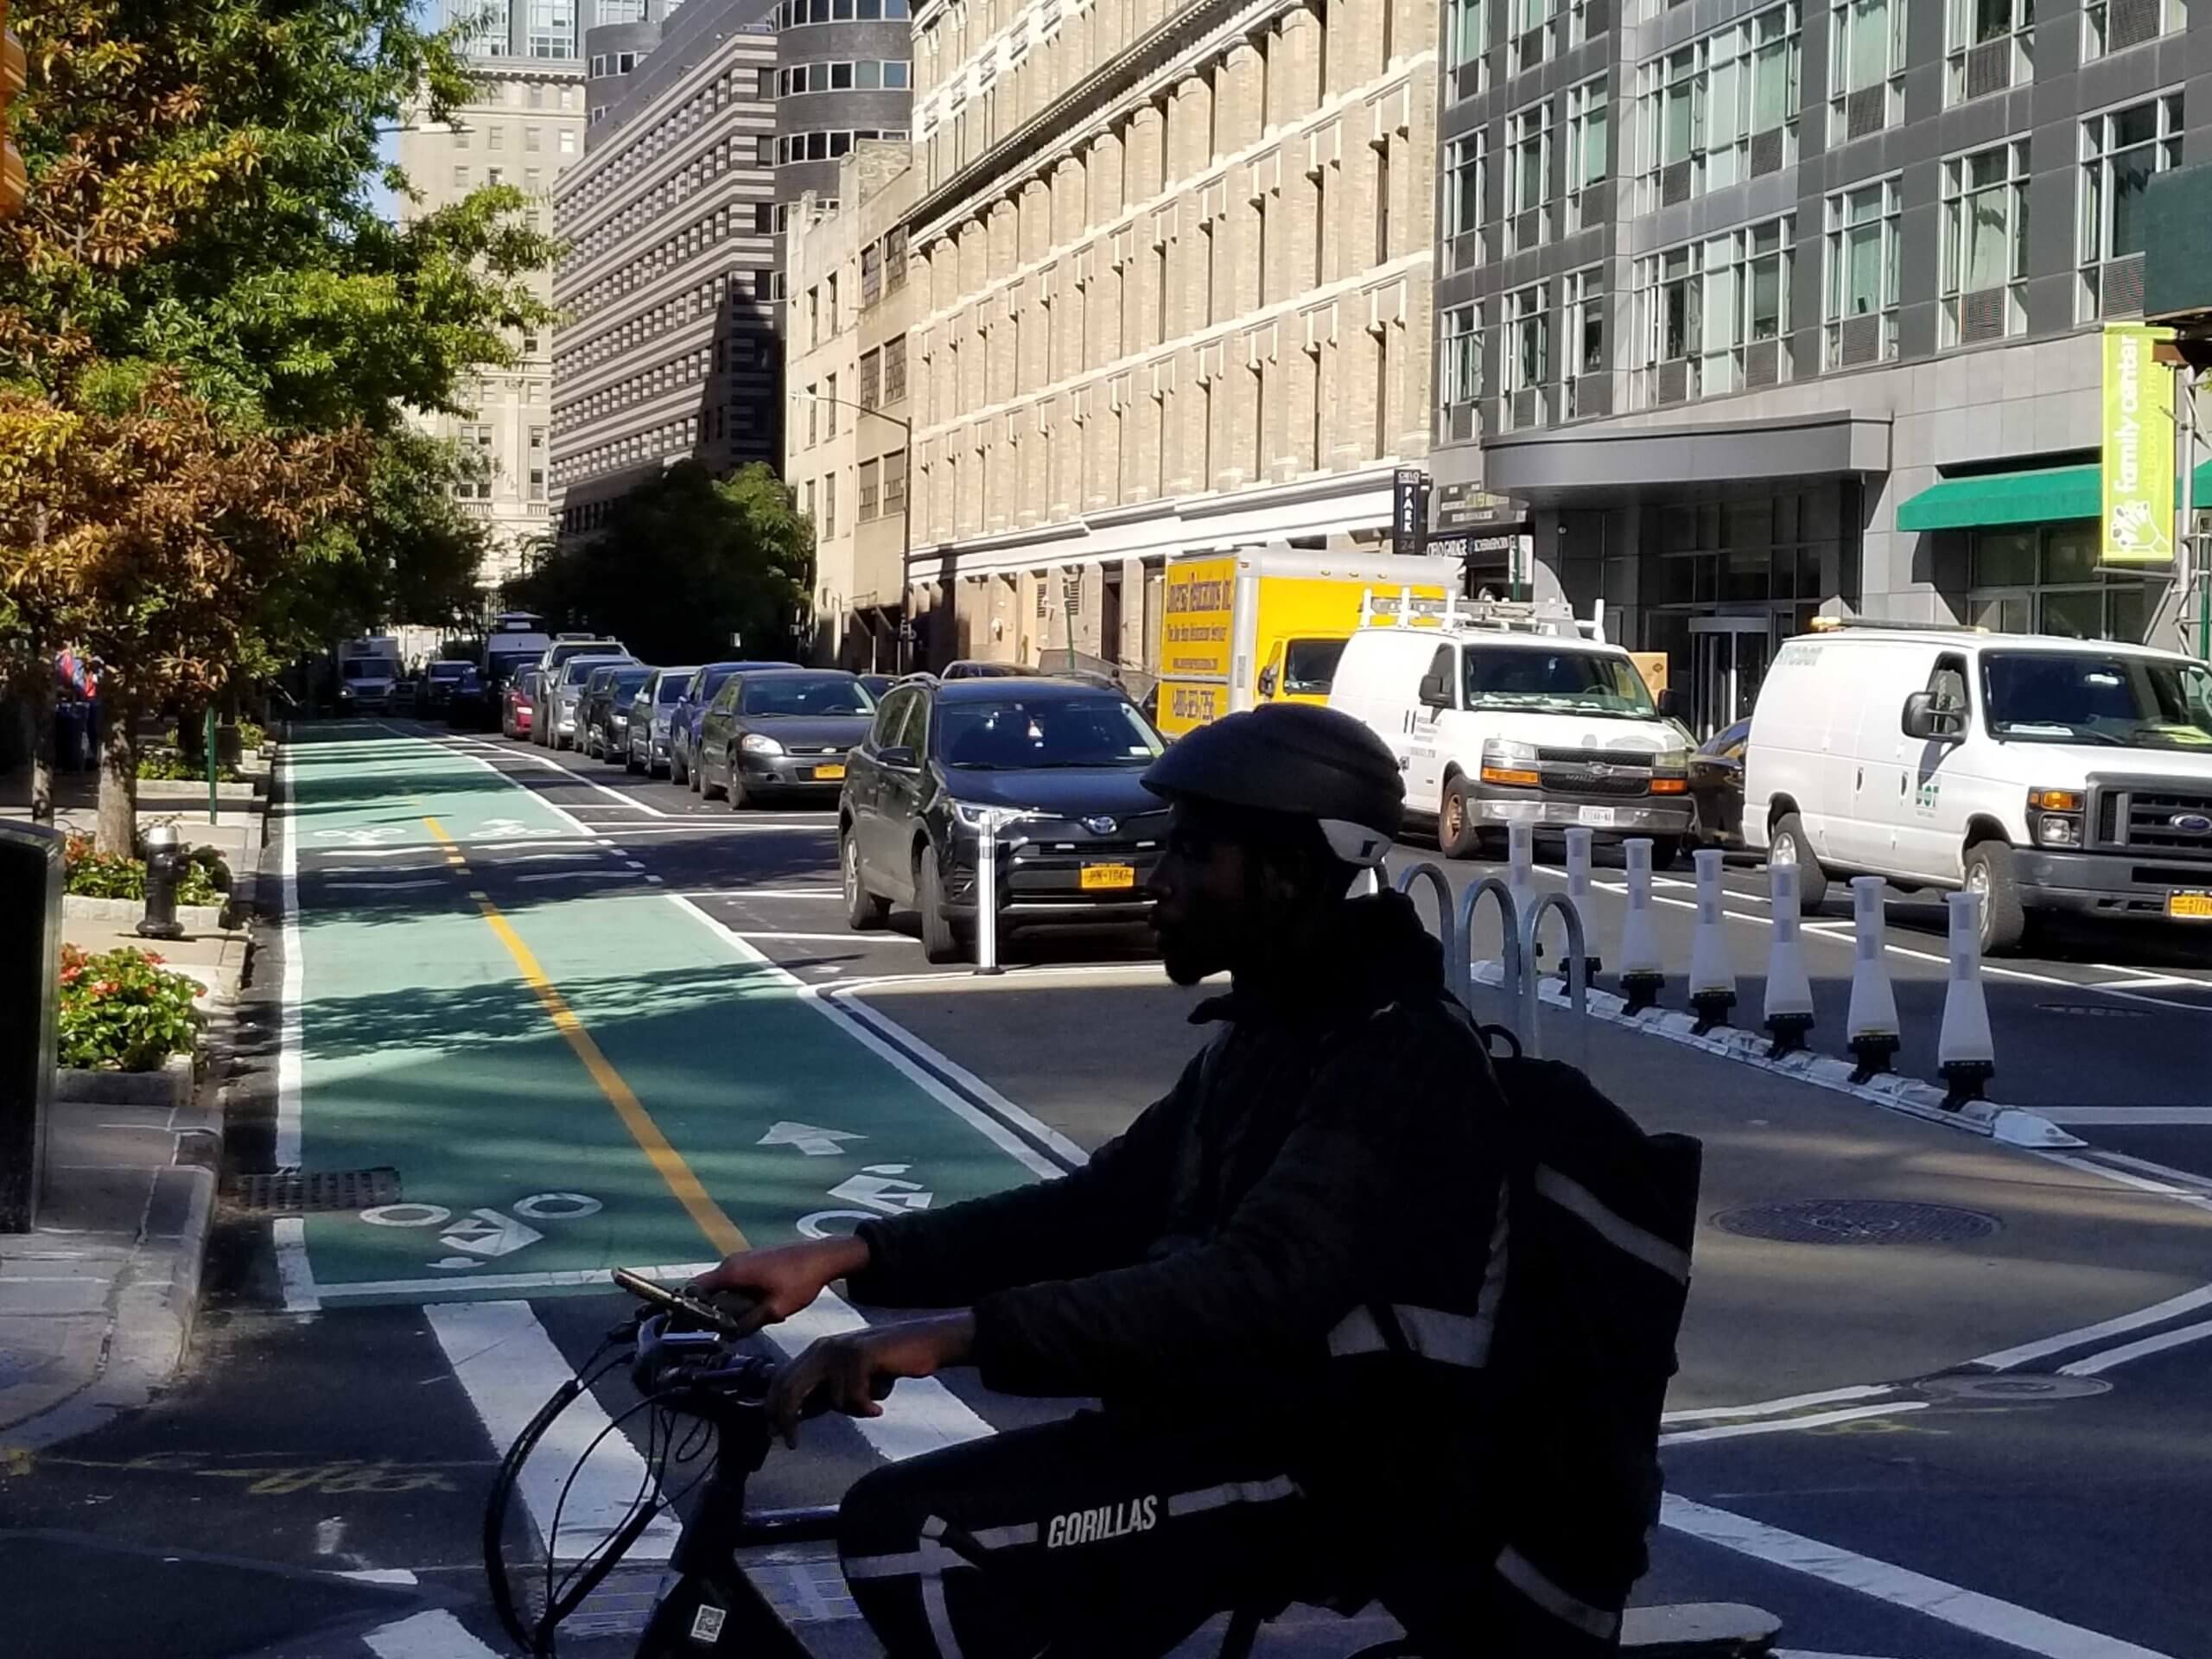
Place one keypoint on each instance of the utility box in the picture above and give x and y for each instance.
(30, 963)
(2177, 248)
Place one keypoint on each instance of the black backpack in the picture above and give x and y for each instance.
(1599, 1219)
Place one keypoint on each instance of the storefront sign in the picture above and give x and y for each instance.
(1408, 509)
(2139, 454)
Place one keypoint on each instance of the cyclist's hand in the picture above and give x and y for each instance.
(852, 1372)
(783, 1281)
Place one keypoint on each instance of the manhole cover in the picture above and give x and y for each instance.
(1856, 1221)
(2094, 1011)
(2012, 1390)
(296, 1192)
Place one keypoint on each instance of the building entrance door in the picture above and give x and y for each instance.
(1729, 659)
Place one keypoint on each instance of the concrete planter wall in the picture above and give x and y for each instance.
(194, 919)
(161, 791)
(169, 1089)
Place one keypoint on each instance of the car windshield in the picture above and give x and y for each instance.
(2129, 703)
(1309, 667)
(448, 670)
(630, 679)
(805, 694)
(372, 668)
(1586, 682)
(1020, 734)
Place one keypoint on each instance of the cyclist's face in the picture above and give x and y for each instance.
(1203, 897)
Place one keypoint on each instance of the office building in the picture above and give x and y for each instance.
(666, 349)
(1748, 310)
(523, 127)
(846, 404)
(1170, 271)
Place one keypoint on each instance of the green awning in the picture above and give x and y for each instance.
(2034, 495)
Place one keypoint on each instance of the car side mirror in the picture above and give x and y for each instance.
(1926, 723)
(1267, 681)
(1436, 693)
(898, 759)
(1674, 703)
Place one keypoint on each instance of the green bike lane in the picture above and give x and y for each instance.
(569, 1069)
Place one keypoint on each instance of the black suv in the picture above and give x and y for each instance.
(1061, 764)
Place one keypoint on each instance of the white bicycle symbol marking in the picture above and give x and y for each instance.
(365, 837)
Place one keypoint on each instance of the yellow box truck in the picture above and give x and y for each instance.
(1266, 624)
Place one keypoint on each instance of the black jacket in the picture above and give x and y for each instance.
(1321, 1156)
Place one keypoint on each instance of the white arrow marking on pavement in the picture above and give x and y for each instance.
(815, 1143)
(457, 1262)
(487, 1233)
(873, 1188)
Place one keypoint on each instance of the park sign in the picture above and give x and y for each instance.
(2138, 448)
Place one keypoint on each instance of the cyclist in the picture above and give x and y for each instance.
(1276, 1281)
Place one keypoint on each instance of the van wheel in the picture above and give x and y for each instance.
(1991, 876)
(940, 943)
(1455, 821)
(1789, 846)
(1665, 852)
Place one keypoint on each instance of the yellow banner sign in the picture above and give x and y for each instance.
(2138, 457)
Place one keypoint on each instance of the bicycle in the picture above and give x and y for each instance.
(684, 1359)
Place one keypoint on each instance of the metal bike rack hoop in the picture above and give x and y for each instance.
(1577, 972)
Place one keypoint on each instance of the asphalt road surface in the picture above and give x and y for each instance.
(590, 1020)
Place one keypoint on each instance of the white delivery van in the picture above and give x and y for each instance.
(1504, 713)
(2042, 774)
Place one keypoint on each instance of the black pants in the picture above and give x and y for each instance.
(1107, 1537)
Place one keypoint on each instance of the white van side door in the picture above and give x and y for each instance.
(1932, 804)
(1427, 734)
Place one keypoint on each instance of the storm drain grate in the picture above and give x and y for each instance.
(1856, 1221)
(300, 1192)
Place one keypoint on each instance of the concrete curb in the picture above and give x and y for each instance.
(194, 919)
(163, 792)
(1910, 1095)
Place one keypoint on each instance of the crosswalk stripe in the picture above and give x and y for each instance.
(427, 1635)
(510, 1367)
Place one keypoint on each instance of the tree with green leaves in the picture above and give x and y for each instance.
(684, 561)
(202, 248)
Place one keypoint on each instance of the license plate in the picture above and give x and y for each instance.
(1106, 877)
(2191, 906)
(1601, 817)
(828, 774)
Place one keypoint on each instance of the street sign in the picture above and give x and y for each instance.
(1409, 510)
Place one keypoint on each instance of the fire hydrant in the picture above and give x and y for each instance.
(164, 869)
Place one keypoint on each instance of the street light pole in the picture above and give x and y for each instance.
(906, 499)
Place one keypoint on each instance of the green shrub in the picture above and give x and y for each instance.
(164, 763)
(93, 875)
(252, 736)
(121, 1011)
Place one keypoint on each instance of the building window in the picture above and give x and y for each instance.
(1527, 357)
(1589, 133)
(894, 482)
(1722, 109)
(2121, 152)
(2110, 26)
(1464, 173)
(1985, 244)
(567, 141)
(813, 416)
(829, 407)
(1526, 37)
(1712, 316)
(461, 178)
(867, 505)
(871, 391)
(2046, 580)
(1989, 47)
(1467, 34)
(533, 138)
(460, 137)
(495, 137)
(830, 506)
(1527, 176)
(1862, 256)
(895, 370)
(476, 445)
(1460, 371)
(1586, 383)
(1865, 67)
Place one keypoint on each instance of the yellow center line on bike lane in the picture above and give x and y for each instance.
(721, 1231)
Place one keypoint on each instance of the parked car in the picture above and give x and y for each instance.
(969, 669)
(1717, 788)
(781, 731)
(559, 696)
(565, 645)
(2037, 772)
(653, 707)
(1063, 762)
(877, 684)
(519, 704)
(691, 710)
(603, 712)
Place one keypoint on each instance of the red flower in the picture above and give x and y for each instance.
(153, 958)
(72, 973)
(104, 987)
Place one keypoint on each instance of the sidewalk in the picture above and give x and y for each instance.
(97, 1303)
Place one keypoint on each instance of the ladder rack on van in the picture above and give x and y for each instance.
(1382, 608)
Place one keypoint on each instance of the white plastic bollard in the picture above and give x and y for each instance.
(987, 897)
(1873, 1027)
(1713, 976)
(1965, 1054)
(1578, 896)
(1641, 975)
(1788, 987)
(1520, 866)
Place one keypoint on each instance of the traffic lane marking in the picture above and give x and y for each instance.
(2142, 1348)
(1787, 1425)
(434, 1635)
(1950, 1604)
(2130, 1117)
